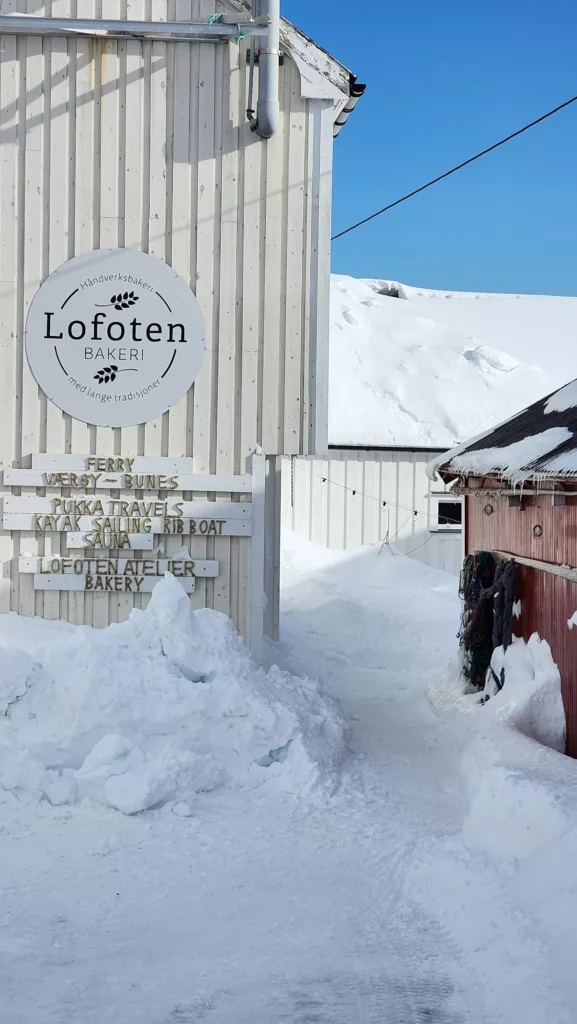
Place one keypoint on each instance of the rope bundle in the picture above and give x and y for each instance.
(214, 20)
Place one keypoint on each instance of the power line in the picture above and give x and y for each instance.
(447, 174)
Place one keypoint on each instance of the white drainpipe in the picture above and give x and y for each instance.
(267, 109)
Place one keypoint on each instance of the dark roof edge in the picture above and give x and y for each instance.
(557, 462)
(356, 91)
(433, 450)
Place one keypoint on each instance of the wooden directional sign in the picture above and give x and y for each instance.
(114, 575)
(88, 505)
(130, 541)
(140, 481)
(102, 525)
(77, 566)
(118, 505)
(107, 584)
(110, 523)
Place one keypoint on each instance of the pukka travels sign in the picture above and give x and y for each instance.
(114, 337)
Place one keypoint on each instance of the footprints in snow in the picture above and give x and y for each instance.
(348, 316)
(421, 997)
(191, 1013)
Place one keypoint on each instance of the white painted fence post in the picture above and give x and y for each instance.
(257, 467)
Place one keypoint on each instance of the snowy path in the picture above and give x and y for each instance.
(374, 629)
(373, 640)
(373, 653)
(370, 909)
(260, 916)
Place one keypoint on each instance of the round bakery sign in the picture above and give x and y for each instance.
(115, 337)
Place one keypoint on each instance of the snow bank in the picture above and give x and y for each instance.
(512, 814)
(522, 795)
(157, 709)
(522, 798)
(530, 701)
(16, 668)
(404, 370)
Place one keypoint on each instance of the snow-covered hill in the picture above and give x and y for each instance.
(432, 368)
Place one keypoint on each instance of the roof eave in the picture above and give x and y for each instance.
(303, 48)
(356, 91)
(518, 479)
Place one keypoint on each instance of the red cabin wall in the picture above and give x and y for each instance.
(509, 529)
(547, 601)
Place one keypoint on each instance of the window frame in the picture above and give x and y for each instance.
(438, 498)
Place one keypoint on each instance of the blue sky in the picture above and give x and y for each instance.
(444, 81)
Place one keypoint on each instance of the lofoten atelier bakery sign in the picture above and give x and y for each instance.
(115, 337)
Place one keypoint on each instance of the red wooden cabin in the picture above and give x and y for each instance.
(520, 487)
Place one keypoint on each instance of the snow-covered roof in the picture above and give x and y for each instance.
(541, 441)
(431, 369)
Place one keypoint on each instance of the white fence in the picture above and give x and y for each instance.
(357, 497)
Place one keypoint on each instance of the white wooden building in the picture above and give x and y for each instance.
(357, 496)
(137, 137)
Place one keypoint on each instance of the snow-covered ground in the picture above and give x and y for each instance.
(425, 874)
(432, 368)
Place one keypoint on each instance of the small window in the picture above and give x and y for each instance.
(450, 513)
(446, 515)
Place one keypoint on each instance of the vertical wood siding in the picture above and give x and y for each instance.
(547, 601)
(108, 143)
(511, 529)
(356, 497)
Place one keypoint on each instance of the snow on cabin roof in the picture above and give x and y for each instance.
(418, 368)
(540, 441)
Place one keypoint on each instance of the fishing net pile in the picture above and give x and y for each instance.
(487, 589)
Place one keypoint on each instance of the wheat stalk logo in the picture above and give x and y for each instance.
(108, 373)
(124, 300)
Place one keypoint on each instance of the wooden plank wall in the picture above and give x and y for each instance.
(547, 603)
(355, 497)
(122, 143)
